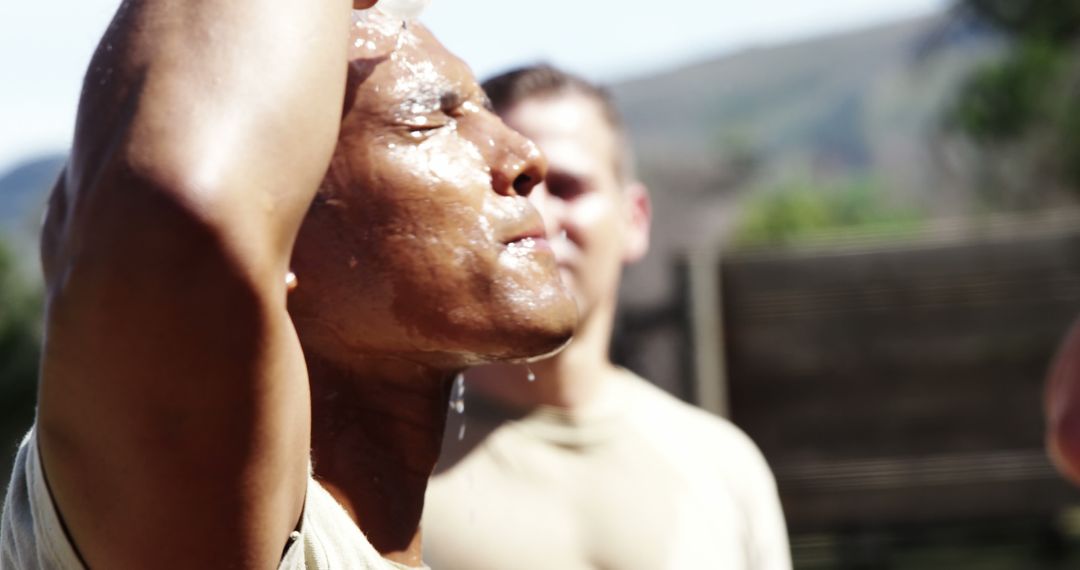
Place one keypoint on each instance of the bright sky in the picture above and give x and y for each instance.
(44, 48)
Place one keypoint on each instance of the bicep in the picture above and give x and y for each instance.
(173, 409)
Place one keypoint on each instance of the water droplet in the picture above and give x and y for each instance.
(402, 9)
(530, 376)
(457, 395)
(461, 430)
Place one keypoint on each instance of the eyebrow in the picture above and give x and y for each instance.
(450, 100)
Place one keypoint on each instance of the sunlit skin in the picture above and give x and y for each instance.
(1063, 407)
(451, 269)
(596, 222)
(438, 184)
(185, 381)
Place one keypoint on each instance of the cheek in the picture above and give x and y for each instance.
(596, 218)
(454, 160)
(434, 201)
(443, 159)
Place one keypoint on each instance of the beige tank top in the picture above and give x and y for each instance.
(32, 536)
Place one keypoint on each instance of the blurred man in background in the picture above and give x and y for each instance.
(573, 462)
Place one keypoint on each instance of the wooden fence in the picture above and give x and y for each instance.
(895, 384)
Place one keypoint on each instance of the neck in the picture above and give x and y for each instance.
(570, 380)
(376, 432)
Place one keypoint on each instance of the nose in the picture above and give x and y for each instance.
(517, 165)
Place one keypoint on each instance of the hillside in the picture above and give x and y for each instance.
(22, 188)
(22, 200)
(867, 102)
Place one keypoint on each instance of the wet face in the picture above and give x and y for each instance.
(594, 221)
(421, 242)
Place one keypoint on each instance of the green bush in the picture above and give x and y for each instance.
(20, 349)
(796, 211)
(1023, 110)
(1004, 100)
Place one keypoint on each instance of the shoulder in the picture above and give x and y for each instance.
(653, 405)
(719, 464)
(709, 441)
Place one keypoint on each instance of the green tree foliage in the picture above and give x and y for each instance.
(1024, 109)
(20, 348)
(797, 211)
(1006, 99)
(1052, 20)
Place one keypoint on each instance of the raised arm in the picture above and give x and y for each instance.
(174, 409)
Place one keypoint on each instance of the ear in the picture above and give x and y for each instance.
(638, 221)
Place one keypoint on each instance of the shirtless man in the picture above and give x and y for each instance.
(590, 466)
(186, 394)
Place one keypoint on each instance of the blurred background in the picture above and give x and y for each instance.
(866, 241)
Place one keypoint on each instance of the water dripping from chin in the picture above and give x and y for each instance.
(457, 402)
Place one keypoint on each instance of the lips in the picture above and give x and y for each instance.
(531, 241)
(531, 244)
(525, 231)
(535, 234)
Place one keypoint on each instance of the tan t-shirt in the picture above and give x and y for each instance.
(31, 535)
(640, 481)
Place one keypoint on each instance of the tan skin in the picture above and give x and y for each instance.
(182, 387)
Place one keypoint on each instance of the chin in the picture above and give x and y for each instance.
(539, 343)
(518, 337)
(551, 324)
